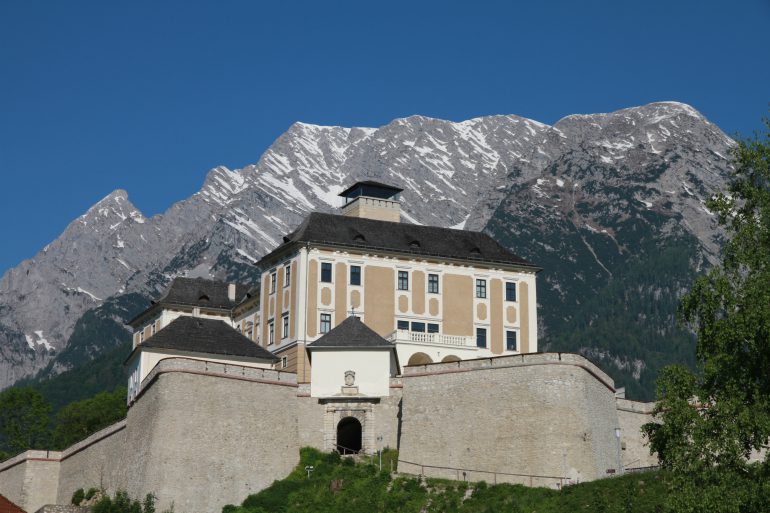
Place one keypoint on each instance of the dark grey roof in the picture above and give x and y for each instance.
(373, 234)
(351, 333)
(202, 292)
(209, 336)
(370, 184)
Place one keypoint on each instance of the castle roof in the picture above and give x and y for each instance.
(210, 336)
(370, 188)
(202, 292)
(198, 292)
(351, 333)
(376, 235)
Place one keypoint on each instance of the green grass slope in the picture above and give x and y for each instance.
(341, 485)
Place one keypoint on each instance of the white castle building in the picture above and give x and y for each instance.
(364, 332)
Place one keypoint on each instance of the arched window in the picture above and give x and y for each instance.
(419, 359)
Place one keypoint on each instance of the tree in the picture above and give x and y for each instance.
(24, 418)
(77, 420)
(712, 421)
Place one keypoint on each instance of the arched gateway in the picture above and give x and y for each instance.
(349, 436)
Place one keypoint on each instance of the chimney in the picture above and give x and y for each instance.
(231, 291)
(372, 200)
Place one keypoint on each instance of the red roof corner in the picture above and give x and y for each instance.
(7, 506)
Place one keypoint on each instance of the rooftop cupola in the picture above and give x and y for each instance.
(372, 200)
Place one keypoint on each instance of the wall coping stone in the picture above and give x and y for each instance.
(635, 406)
(93, 438)
(31, 455)
(63, 508)
(215, 369)
(520, 360)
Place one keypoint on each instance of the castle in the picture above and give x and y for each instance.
(364, 333)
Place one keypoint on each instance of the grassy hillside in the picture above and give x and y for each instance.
(341, 485)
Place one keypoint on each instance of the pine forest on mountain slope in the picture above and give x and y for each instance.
(610, 206)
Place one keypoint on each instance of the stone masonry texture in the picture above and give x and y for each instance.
(542, 416)
(201, 435)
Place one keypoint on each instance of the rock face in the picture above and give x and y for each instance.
(561, 195)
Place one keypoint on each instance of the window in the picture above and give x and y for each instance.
(273, 277)
(433, 283)
(418, 326)
(402, 325)
(285, 332)
(286, 276)
(403, 280)
(481, 288)
(432, 328)
(284, 362)
(481, 337)
(141, 336)
(510, 341)
(355, 275)
(510, 291)
(326, 272)
(256, 330)
(152, 329)
(270, 333)
(326, 323)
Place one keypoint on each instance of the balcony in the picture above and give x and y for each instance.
(433, 339)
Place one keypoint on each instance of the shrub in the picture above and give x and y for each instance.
(78, 497)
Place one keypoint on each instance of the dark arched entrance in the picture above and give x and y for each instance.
(349, 436)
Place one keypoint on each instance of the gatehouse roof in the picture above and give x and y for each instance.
(351, 333)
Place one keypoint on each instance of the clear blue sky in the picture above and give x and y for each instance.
(147, 96)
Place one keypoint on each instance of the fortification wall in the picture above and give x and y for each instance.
(632, 415)
(542, 416)
(203, 435)
(30, 479)
(93, 462)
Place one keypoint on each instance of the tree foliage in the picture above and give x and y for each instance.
(24, 416)
(713, 422)
(77, 420)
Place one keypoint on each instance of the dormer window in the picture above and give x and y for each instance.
(203, 298)
(475, 251)
(359, 238)
(415, 244)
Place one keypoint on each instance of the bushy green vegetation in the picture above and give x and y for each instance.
(78, 420)
(710, 422)
(27, 422)
(341, 485)
(122, 503)
(24, 415)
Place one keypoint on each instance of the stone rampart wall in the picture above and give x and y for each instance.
(203, 435)
(200, 435)
(93, 462)
(632, 415)
(545, 418)
(30, 479)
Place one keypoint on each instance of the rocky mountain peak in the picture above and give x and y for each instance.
(662, 159)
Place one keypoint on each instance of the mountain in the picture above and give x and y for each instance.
(603, 202)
